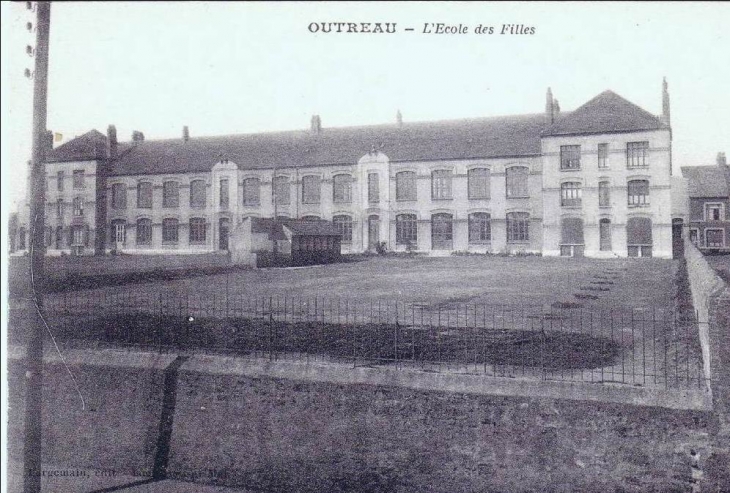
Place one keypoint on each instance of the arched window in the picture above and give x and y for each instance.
(639, 237)
(570, 194)
(441, 184)
(197, 230)
(342, 189)
(343, 224)
(638, 191)
(170, 194)
(170, 229)
(480, 230)
(405, 185)
(571, 237)
(517, 182)
(282, 192)
(442, 231)
(478, 179)
(518, 227)
(119, 196)
(311, 189)
(251, 191)
(406, 229)
(144, 232)
(197, 193)
(144, 195)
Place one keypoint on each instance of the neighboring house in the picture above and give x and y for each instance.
(709, 205)
(594, 182)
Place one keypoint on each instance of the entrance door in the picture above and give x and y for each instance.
(677, 242)
(373, 232)
(605, 235)
(223, 226)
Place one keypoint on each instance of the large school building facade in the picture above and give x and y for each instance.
(590, 182)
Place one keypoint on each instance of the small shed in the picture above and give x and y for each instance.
(285, 242)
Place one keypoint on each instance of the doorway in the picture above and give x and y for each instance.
(373, 232)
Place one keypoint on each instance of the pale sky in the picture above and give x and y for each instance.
(226, 68)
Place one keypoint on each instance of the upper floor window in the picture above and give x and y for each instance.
(518, 226)
(714, 237)
(406, 229)
(604, 194)
(59, 181)
(480, 230)
(478, 185)
(59, 207)
(251, 191)
(405, 185)
(170, 194)
(119, 196)
(603, 155)
(282, 193)
(570, 194)
(638, 192)
(311, 189)
(344, 226)
(144, 232)
(144, 195)
(517, 181)
(197, 230)
(441, 184)
(78, 206)
(569, 157)
(224, 195)
(637, 154)
(342, 189)
(78, 179)
(373, 187)
(714, 212)
(197, 193)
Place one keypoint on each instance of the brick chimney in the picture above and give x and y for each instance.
(666, 116)
(111, 142)
(186, 133)
(399, 118)
(721, 159)
(137, 136)
(316, 124)
(550, 105)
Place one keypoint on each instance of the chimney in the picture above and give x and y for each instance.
(111, 142)
(316, 125)
(399, 119)
(721, 159)
(186, 133)
(556, 107)
(666, 117)
(137, 136)
(550, 105)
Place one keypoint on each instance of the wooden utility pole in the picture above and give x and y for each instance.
(34, 355)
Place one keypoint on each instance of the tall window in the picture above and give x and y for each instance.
(516, 179)
(344, 227)
(604, 226)
(119, 196)
(373, 187)
(144, 232)
(441, 184)
(637, 154)
(169, 230)
(638, 237)
(251, 191)
(638, 192)
(518, 226)
(714, 212)
(197, 230)
(144, 195)
(170, 194)
(119, 231)
(478, 179)
(78, 179)
(224, 195)
(570, 194)
(406, 229)
(59, 237)
(571, 237)
(342, 189)
(603, 155)
(569, 157)
(442, 231)
(405, 185)
(480, 230)
(197, 193)
(59, 181)
(21, 238)
(59, 207)
(78, 206)
(282, 193)
(604, 194)
(311, 189)
(78, 235)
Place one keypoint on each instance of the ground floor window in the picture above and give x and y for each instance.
(59, 237)
(197, 230)
(119, 231)
(571, 241)
(21, 238)
(442, 231)
(344, 226)
(144, 232)
(518, 227)
(639, 237)
(480, 230)
(714, 238)
(604, 226)
(170, 229)
(694, 236)
(78, 235)
(406, 229)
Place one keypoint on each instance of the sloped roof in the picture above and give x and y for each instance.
(91, 145)
(506, 136)
(608, 112)
(707, 181)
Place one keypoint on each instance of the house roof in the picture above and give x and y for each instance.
(297, 227)
(606, 113)
(707, 181)
(91, 145)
